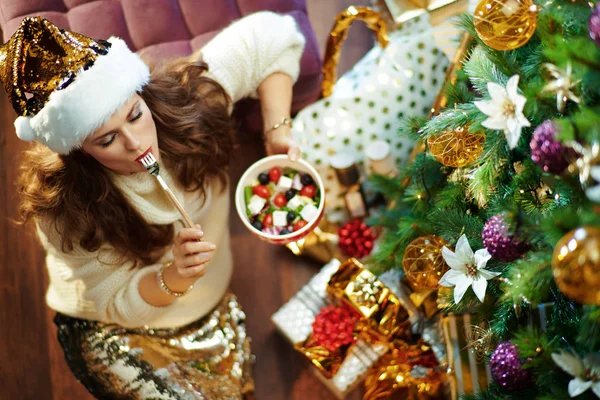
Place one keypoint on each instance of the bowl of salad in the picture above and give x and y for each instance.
(280, 200)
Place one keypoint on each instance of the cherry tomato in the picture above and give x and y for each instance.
(299, 225)
(262, 191)
(280, 200)
(308, 191)
(275, 174)
(268, 220)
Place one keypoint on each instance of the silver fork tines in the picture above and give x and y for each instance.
(149, 161)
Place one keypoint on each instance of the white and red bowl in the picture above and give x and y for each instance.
(264, 165)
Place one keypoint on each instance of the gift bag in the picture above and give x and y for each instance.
(399, 77)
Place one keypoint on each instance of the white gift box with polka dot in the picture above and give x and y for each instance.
(367, 104)
(295, 318)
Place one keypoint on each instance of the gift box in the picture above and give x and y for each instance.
(438, 16)
(383, 318)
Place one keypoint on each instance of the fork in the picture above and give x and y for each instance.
(151, 164)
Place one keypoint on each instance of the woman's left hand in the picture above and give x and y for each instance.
(280, 141)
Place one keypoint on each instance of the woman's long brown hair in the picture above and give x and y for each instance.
(76, 196)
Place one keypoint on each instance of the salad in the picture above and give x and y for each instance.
(281, 201)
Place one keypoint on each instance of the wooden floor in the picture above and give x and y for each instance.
(31, 362)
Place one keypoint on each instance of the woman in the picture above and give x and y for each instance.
(142, 303)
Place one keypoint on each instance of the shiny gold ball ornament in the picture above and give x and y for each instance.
(576, 265)
(456, 147)
(423, 263)
(505, 24)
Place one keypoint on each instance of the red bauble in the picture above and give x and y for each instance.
(334, 327)
(356, 239)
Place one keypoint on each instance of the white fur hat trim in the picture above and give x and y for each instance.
(72, 114)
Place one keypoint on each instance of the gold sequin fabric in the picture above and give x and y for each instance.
(207, 359)
(40, 58)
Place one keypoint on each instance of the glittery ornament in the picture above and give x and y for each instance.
(507, 370)
(356, 239)
(499, 243)
(547, 152)
(334, 326)
(456, 147)
(505, 24)
(423, 262)
(594, 24)
(576, 265)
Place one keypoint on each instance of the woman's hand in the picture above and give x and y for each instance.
(190, 254)
(280, 141)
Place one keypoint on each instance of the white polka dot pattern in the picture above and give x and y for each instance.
(367, 104)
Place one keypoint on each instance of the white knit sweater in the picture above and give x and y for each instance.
(85, 285)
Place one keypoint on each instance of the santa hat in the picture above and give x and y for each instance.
(65, 85)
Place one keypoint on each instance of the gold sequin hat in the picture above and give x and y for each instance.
(65, 85)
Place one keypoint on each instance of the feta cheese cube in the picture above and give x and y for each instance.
(295, 202)
(256, 204)
(280, 218)
(309, 212)
(284, 183)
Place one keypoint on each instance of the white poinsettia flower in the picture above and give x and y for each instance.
(593, 193)
(466, 269)
(505, 110)
(586, 372)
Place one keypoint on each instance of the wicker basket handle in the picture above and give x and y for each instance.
(338, 34)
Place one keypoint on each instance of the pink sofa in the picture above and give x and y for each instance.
(170, 28)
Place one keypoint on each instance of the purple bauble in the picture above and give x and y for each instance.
(499, 243)
(594, 24)
(507, 370)
(546, 151)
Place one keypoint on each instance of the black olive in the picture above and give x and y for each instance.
(290, 217)
(290, 194)
(284, 232)
(306, 179)
(258, 225)
(264, 178)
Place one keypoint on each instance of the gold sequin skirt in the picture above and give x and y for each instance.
(207, 359)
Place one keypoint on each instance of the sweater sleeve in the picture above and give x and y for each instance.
(96, 285)
(241, 56)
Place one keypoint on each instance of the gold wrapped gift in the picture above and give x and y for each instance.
(328, 362)
(400, 12)
(321, 244)
(385, 317)
(408, 371)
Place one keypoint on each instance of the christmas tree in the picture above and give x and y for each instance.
(506, 193)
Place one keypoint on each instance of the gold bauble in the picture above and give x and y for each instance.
(456, 147)
(423, 263)
(505, 24)
(576, 265)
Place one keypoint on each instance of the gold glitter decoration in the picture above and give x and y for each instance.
(338, 34)
(423, 263)
(207, 359)
(384, 314)
(505, 24)
(576, 265)
(456, 148)
(40, 58)
(399, 374)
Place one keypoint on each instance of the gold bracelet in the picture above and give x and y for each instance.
(284, 121)
(163, 285)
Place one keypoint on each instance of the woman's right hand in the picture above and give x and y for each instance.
(190, 253)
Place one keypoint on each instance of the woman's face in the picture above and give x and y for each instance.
(128, 134)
